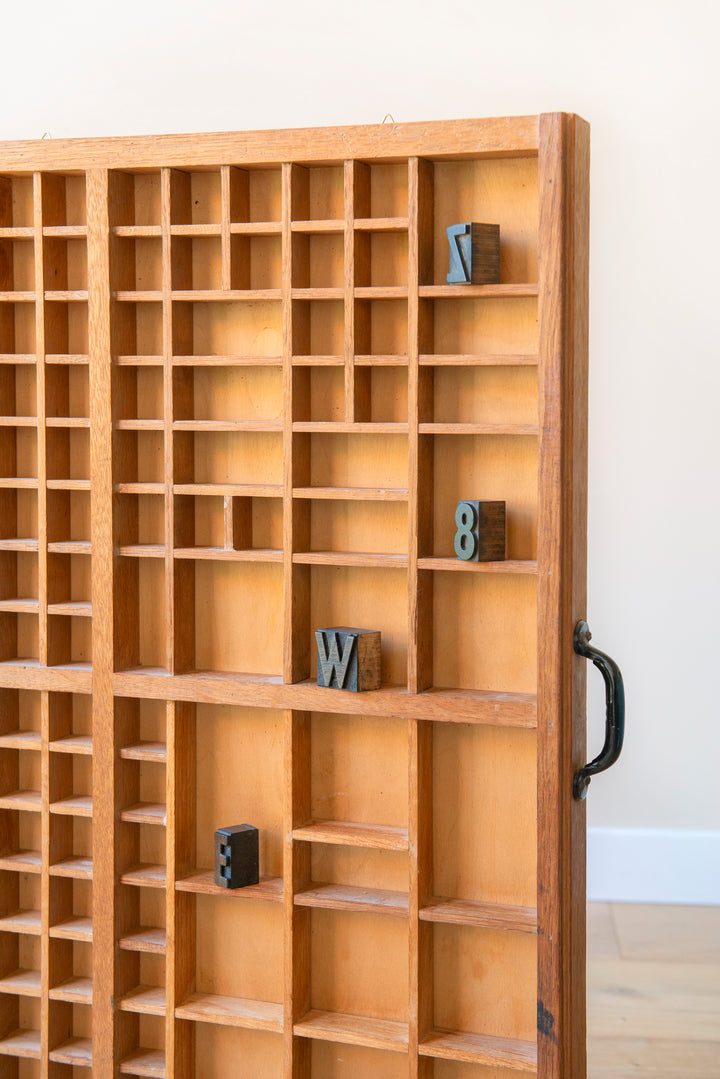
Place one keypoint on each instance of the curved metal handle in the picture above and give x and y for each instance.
(614, 710)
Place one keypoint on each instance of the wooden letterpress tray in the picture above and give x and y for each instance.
(239, 403)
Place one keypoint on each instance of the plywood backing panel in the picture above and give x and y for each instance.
(239, 402)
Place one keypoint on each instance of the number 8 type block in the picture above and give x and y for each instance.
(480, 535)
(348, 658)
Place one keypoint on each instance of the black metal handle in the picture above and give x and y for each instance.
(614, 710)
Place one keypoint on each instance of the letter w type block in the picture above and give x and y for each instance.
(348, 658)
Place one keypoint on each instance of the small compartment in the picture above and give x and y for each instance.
(70, 972)
(63, 199)
(502, 191)
(487, 467)
(16, 202)
(18, 514)
(381, 259)
(151, 602)
(141, 520)
(68, 517)
(381, 327)
(137, 329)
(136, 198)
(318, 193)
(17, 329)
(20, 966)
(22, 783)
(136, 264)
(224, 642)
(318, 260)
(466, 326)
(71, 1049)
(70, 636)
(484, 814)
(144, 794)
(320, 394)
(381, 394)
(385, 192)
(239, 952)
(256, 1054)
(70, 723)
(346, 525)
(239, 754)
(21, 905)
(470, 975)
(228, 329)
(67, 391)
(256, 262)
(493, 395)
(68, 579)
(139, 392)
(20, 718)
(232, 394)
(318, 327)
(485, 631)
(66, 328)
(68, 453)
(228, 457)
(71, 785)
(196, 262)
(369, 598)
(359, 763)
(364, 461)
(17, 265)
(71, 846)
(196, 198)
(140, 456)
(18, 577)
(18, 450)
(330, 1060)
(358, 966)
(70, 909)
(64, 264)
(255, 195)
(144, 1044)
(18, 390)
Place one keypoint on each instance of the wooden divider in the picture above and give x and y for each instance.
(239, 402)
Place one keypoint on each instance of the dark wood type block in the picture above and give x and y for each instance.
(348, 658)
(474, 254)
(480, 535)
(237, 858)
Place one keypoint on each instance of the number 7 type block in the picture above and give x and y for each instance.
(348, 658)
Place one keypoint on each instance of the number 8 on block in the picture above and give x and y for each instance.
(480, 535)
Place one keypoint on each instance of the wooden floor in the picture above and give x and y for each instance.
(653, 992)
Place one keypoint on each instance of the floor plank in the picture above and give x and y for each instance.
(652, 931)
(631, 1058)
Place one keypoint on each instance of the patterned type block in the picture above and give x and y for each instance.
(237, 858)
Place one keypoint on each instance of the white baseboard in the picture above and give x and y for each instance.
(653, 865)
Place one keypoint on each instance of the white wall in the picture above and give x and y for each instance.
(644, 75)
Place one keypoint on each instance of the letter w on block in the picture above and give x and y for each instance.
(330, 661)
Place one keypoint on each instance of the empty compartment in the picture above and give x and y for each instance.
(137, 329)
(473, 989)
(467, 326)
(18, 514)
(70, 971)
(381, 327)
(196, 262)
(239, 954)
(66, 328)
(63, 199)
(371, 462)
(493, 395)
(68, 453)
(358, 527)
(68, 516)
(255, 195)
(228, 393)
(70, 909)
(318, 260)
(64, 265)
(256, 1054)
(224, 642)
(16, 202)
(358, 966)
(136, 264)
(139, 392)
(318, 327)
(18, 447)
(256, 262)
(381, 259)
(135, 198)
(67, 391)
(503, 192)
(318, 193)
(140, 456)
(228, 329)
(484, 814)
(17, 265)
(70, 723)
(21, 905)
(485, 632)
(17, 329)
(70, 847)
(195, 198)
(229, 457)
(71, 785)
